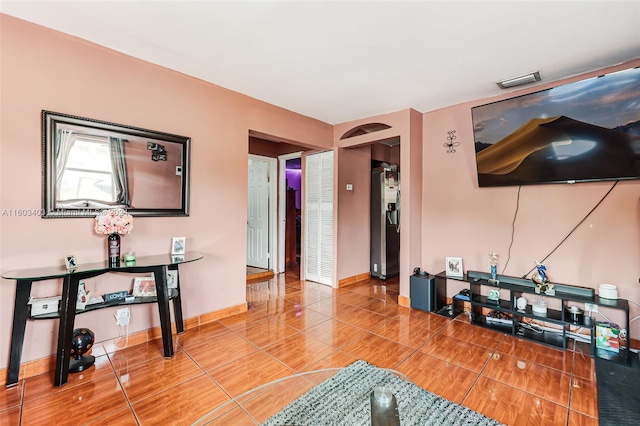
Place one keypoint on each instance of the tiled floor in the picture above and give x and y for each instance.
(293, 326)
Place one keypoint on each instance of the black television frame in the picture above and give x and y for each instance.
(583, 131)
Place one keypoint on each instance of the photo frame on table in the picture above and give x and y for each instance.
(144, 287)
(172, 278)
(453, 267)
(71, 263)
(178, 245)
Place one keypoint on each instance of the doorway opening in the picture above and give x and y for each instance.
(292, 190)
(261, 215)
(285, 173)
(385, 218)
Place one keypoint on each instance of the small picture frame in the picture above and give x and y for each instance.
(178, 245)
(144, 287)
(453, 267)
(172, 278)
(71, 263)
(83, 296)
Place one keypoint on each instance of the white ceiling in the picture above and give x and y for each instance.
(339, 61)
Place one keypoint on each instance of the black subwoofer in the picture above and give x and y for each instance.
(427, 293)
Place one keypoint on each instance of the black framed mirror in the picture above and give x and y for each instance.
(90, 165)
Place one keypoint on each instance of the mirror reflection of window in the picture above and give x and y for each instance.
(88, 173)
(90, 165)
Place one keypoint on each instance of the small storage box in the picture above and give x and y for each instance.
(44, 305)
(607, 336)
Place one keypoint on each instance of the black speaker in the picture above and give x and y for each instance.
(427, 293)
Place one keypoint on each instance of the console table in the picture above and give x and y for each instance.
(158, 265)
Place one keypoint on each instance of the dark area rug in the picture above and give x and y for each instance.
(344, 400)
(618, 392)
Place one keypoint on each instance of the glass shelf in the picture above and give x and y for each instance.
(51, 272)
(95, 306)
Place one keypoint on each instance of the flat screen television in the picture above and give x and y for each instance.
(584, 131)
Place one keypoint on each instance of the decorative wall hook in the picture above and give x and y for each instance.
(450, 145)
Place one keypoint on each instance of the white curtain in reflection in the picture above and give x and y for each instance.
(64, 142)
(116, 147)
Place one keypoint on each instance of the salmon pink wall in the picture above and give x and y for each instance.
(154, 184)
(462, 220)
(44, 69)
(354, 167)
(407, 125)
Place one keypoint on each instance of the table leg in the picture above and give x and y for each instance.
(20, 314)
(177, 306)
(65, 329)
(160, 274)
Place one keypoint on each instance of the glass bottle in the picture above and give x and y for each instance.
(493, 260)
(113, 248)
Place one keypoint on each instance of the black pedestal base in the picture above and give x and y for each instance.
(78, 365)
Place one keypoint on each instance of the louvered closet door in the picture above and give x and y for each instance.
(319, 217)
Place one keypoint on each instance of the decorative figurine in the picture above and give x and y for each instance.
(493, 260)
(543, 285)
(81, 341)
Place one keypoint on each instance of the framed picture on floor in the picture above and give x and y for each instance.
(453, 267)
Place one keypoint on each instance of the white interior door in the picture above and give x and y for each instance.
(319, 217)
(258, 214)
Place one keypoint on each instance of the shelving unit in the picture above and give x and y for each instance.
(521, 323)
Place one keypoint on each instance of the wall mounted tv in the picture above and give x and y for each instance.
(578, 132)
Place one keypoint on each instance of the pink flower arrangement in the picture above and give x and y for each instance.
(113, 221)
